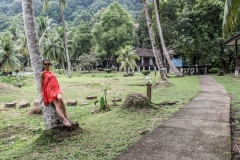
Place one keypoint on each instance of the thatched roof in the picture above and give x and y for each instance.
(142, 52)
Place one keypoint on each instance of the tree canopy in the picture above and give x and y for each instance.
(113, 31)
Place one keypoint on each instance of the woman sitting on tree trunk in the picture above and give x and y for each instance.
(52, 93)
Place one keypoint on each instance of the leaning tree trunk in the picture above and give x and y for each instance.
(173, 68)
(154, 48)
(49, 112)
(65, 40)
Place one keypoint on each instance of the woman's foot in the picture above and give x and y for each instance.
(66, 123)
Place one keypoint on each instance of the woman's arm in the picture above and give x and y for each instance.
(41, 81)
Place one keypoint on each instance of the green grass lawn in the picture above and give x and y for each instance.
(231, 84)
(105, 134)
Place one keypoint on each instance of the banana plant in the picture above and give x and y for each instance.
(103, 99)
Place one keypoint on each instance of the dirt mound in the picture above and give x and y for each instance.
(137, 100)
(161, 84)
(5, 88)
(35, 110)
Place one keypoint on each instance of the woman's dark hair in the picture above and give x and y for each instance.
(43, 63)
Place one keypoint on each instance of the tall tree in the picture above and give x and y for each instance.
(50, 115)
(231, 10)
(113, 31)
(62, 4)
(154, 48)
(164, 49)
(83, 39)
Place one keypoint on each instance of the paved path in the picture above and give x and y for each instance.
(199, 131)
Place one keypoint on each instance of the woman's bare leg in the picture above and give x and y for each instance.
(61, 115)
(62, 105)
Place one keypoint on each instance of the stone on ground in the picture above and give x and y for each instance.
(71, 102)
(10, 105)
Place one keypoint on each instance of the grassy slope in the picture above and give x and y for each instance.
(231, 84)
(105, 135)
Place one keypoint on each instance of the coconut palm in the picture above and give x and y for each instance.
(154, 48)
(127, 57)
(9, 58)
(44, 25)
(62, 4)
(50, 116)
(53, 48)
(23, 48)
(164, 49)
(230, 15)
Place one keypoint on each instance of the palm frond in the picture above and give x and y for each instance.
(45, 5)
(230, 15)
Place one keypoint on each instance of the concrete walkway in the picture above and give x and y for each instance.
(199, 131)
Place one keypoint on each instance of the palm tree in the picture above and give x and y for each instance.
(50, 115)
(53, 48)
(154, 48)
(62, 4)
(127, 57)
(23, 48)
(230, 15)
(9, 58)
(164, 49)
(44, 26)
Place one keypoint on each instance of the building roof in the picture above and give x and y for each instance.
(142, 52)
(231, 41)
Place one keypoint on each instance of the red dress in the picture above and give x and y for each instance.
(50, 88)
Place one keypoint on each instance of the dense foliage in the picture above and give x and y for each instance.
(75, 11)
(113, 31)
(192, 28)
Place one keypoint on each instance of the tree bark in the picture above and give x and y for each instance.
(49, 112)
(65, 40)
(173, 68)
(154, 48)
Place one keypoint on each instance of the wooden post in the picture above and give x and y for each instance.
(149, 90)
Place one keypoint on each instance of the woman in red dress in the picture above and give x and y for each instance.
(52, 93)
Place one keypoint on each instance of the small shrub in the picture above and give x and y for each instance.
(213, 70)
(130, 74)
(100, 69)
(107, 76)
(201, 70)
(14, 80)
(145, 72)
(108, 70)
(28, 69)
(59, 71)
(221, 73)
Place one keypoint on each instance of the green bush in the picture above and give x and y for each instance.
(100, 69)
(145, 72)
(213, 70)
(59, 71)
(108, 70)
(221, 73)
(13, 80)
(201, 70)
(28, 69)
